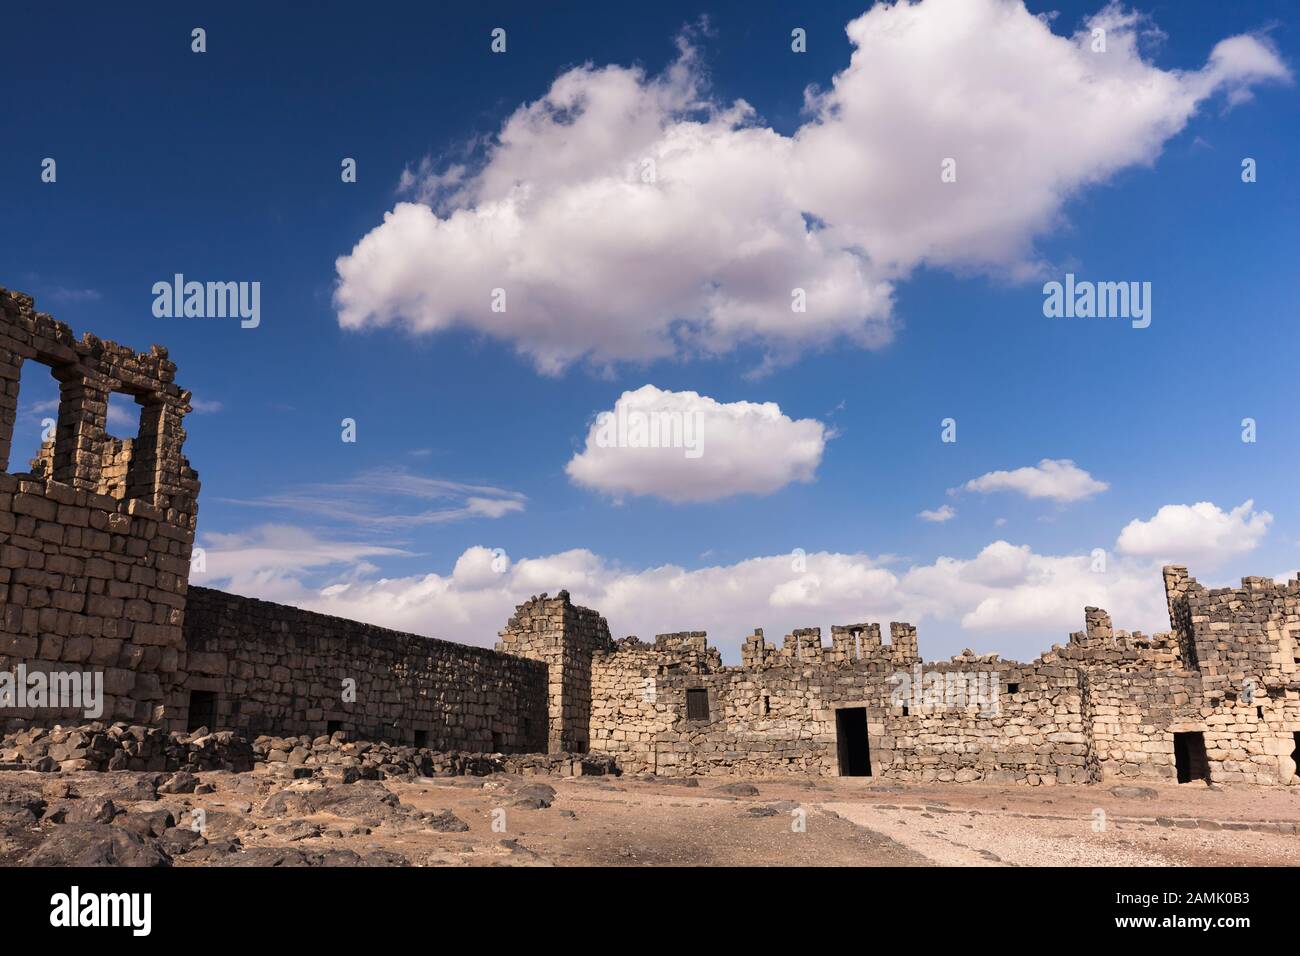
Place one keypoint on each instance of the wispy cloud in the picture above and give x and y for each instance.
(382, 500)
(73, 296)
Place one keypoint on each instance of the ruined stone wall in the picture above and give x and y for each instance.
(1246, 644)
(1107, 705)
(781, 717)
(279, 670)
(92, 581)
(564, 637)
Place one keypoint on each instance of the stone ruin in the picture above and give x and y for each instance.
(95, 546)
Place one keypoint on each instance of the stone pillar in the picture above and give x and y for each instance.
(80, 435)
(1096, 623)
(10, 371)
(147, 462)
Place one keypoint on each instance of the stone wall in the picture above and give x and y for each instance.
(1107, 705)
(564, 637)
(95, 541)
(281, 671)
(94, 565)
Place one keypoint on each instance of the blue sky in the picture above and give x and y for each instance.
(225, 166)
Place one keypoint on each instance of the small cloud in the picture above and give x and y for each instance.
(1056, 478)
(688, 447)
(941, 514)
(205, 406)
(1202, 531)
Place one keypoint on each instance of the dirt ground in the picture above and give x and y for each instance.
(261, 819)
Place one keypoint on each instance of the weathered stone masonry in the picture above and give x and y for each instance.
(1109, 704)
(93, 569)
(280, 671)
(95, 542)
(95, 545)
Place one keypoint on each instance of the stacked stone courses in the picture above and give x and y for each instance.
(96, 536)
(93, 580)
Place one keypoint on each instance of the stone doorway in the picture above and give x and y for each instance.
(1190, 761)
(851, 737)
(203, 710)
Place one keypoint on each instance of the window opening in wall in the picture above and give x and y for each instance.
(1259, 712)
(1295, 754)
(1190, 760)
(1013, 688)
(121, 427)
(767, 705)
(697, 704)
(123, 419)
(203, 710)
(38, 409)
(906, 711)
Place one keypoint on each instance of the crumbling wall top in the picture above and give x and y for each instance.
(88, 370)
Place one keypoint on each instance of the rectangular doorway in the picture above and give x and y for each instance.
(851, 736)
(1190, 761)
(203, 710)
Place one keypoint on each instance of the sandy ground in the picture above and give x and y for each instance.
(604, 821)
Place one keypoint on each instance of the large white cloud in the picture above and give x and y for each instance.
(598, 262)
(683, 446)
(1203, 531)
(1056, 478)
(1006, 598)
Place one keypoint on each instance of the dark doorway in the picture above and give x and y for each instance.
(851, 735)
(1295, 754)
(1190, 760)
(332, 727)
(203, 710)
(422, 738)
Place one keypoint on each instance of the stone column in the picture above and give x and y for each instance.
(80, 434)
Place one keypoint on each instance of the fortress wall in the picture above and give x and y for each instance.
(782, 718)
(565, 637)
(280, 670)
(1106, 706)
(94, 565)
(96, 535)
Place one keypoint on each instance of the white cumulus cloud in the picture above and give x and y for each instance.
(939, 515)
(683, 446)
(1056, 478)
(1203, 531)
(629, 217)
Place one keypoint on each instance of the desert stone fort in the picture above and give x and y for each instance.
(96, 541)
